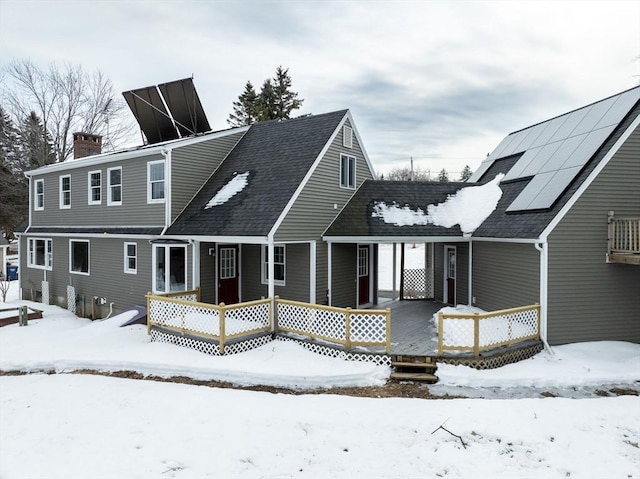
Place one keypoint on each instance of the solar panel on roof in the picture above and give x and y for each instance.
(185, 107)
(484, 166)
(553, 188)
(620, 108)
(549, 131)
(591, 119)
(150, 113)
(530, 191)
(563, 149)
(570, 124)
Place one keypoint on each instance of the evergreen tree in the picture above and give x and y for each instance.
(14, 194)
(276, 101)
(443, 176)
(286, 100)
(466, 173)
(37, 143)
(245, 110)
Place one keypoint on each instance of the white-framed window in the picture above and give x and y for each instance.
(279, 264)
(169, 268)
(79, 256)
(155, 181)
(40, 253)
(65, 192)
(347, 171)
(94, 187)
(227, 263)
(131, 258)
(114, 186)
(38, 195)
(347, 136)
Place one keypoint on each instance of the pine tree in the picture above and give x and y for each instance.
(37, 142)
(267, 102)
(443, 176)
(245, 110)
(14, 194)
(286, 100)
(466, 173)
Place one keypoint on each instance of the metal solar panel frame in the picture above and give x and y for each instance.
(151, 114)
(185, 107)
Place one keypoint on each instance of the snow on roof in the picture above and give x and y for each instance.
(468, 207)
(232, 188)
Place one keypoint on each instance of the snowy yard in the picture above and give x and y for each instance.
(77, 426)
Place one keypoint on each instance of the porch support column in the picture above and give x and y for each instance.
(394, 290)
(470, 267)
(270, 267)
(543, 248)
(401, 271)
(329, 259)
(312, 272)
(195, 265)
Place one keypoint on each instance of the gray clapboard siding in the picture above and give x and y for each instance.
(134, 210)
(296, 286)
(322, 198)
(344, 275)
(192, 165)
(589, 299)
(505, 275)
(107, 277)
(207, 274)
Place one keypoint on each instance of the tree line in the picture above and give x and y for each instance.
(405, 173)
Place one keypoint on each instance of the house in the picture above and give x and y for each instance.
(237, 213)
(550, 237)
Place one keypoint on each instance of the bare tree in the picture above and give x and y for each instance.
(67, 99)
(405, 174)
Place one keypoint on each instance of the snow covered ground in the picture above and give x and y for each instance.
(80, 426)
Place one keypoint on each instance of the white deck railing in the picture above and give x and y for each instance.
(481, 331)
(624, 235)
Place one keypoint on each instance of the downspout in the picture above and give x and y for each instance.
(270, 266)
(166, 152)
(329, 272)
(543, 248)
(470, 273)
(312, 272)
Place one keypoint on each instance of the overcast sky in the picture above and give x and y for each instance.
(442, 82)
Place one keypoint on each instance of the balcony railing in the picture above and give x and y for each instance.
(624, 240)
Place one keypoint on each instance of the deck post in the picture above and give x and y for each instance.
(440, 332)
(347, 329)
(476, 335)
(401, 296)
(23, 316)
(222, 328)
(274, 314)
(148, 313)
(389, 329)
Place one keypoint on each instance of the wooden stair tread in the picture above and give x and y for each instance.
(397, 364)
(425, 377)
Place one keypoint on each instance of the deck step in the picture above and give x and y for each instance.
(402, 366)
(414, 368)
(422, 377)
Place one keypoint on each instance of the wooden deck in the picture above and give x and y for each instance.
(412, 330)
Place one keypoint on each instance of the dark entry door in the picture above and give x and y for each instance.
(451, 276)
(228, 274)
(363, 275)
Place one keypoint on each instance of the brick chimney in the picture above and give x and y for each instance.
(86, 144)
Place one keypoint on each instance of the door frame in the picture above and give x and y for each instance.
(369, 249)
(445, 287)
(238, 248)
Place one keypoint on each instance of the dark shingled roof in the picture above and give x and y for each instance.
(277, 155)
(356, 220)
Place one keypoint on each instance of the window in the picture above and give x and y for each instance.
(278, 265)
(131, 258)
(38, 195)
(170, 268)
(347, 137)
(40, 253)
(155, 181)
(65, 191)
(79, 256)
(95, 187)
(227, 263)
(347, 171)
(114, 187)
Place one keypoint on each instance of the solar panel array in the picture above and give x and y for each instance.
(555, 151)
(168, 111)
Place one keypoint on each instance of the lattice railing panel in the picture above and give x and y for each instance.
(185, 342)
(508, 328)
(71, 299)
(369, 327)
(379, 359)
(329, 324)
(457, 333)
(247, 318)
(192, 317)
(414, 284)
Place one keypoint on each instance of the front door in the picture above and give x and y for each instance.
(450, 275)
(363, 275)
(228, 274)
